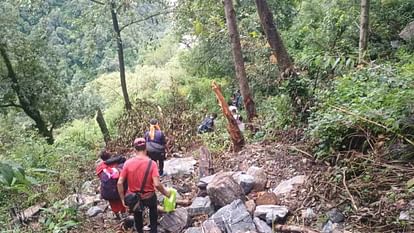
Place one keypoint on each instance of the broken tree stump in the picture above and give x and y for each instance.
(205, 162)
(232, 127)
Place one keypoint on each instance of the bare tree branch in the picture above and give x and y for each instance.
(95, 1)
(144, 19)
(10, 105)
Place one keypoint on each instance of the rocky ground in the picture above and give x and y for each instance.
(265, 186)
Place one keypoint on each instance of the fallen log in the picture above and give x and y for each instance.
(292, 228)
(27, 213)
(232, 127)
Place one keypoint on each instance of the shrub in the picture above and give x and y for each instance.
(380, 94)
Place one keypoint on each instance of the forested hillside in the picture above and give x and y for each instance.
(331, 80)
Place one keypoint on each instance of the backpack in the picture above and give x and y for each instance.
(109, 179)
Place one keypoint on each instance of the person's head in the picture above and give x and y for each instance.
(153, 126)
(104, 155)
(153, 121)
(214, 115)
(140, 144)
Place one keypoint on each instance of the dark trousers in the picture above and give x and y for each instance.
(151, 203)
(158, 157)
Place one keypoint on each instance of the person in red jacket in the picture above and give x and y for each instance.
(108, 171)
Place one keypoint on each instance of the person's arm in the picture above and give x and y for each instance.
(121, 191)
(158, 185)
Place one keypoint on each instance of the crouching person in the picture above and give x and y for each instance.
(141, 174)
(108, 172)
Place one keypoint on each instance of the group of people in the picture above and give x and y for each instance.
(129, 184)
(235, 104)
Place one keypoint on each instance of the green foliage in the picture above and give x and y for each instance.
(59, 218)
(277, 113)
(380, 94)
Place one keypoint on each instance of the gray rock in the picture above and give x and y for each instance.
(233, 218)
(200, 205)
(79, 200)
(331, 227)
(404, 216)
(175, 221)
(271, 213)
(88, 188)
(210, 226)
(93, 211)
(260, 178)
(223, 190)
(335, 215)
(408, 32)
(179, 166)
(261, 226)
(194, 230)
(202, 184)
(246, 182)
(288, 185)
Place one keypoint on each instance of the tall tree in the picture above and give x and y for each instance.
(363, 30)
(275, 41)
(238, 60)
(25, 103)
(120, 49)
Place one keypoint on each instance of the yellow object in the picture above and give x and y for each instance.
(169, 203)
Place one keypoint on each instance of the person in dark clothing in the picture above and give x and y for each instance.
(208, 124)
(155, 139)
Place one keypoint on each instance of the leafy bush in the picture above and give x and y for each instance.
(379, 93)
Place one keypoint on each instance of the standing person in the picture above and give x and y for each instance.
(141, 174)
(108, 171)
(237, 117)
(155, 140)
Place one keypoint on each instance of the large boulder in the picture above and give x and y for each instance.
(288, 185)
(179, 166)
(260, 178)
(223, 190)
(271, 213)
(175, 221)
(200, 205)
(408, 32)
(234, 218)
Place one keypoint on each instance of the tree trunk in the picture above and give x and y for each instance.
(238, 60)
(120, 56)
(232, 127)
(102, 125)
(273, 38)
(25, 103)
(363, 30)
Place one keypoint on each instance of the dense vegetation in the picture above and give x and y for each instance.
(59, 63)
